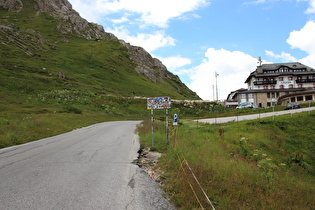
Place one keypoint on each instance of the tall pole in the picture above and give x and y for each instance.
(166, 125)
(152, 127)
(216, 84)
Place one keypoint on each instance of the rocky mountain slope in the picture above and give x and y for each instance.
(43, 29)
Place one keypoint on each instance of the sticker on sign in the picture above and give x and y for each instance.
(159, 103)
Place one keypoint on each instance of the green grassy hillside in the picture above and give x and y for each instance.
(33, 53)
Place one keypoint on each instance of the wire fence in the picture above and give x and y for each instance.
(189, 174)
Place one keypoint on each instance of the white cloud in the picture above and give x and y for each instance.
(304, 40)
(152, 12)
(308, 60)
(149, 42)
(254, 2)
(120, 20)
(285, 57)
(173, 63)
(87, 9)
(233, 68)
(311, 9)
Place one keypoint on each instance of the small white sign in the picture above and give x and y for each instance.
(286, 82)
(175, 121)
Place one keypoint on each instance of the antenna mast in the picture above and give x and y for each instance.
(216, 84)
(259, 61)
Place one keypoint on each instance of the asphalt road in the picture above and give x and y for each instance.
(253, 116)
(88, 168)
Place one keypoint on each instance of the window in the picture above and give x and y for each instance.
(243, 96)
(299, 98)
(290, 78)
(266, 87)
(300, 85)
(308, 98)
(290, 86)
(272, 95)
(280, 78)
(250, 95)
(268, 95)
(278, 94)
(281, 86)
(293, 99)
(272, 87)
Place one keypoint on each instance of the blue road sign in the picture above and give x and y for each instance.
(175, 121)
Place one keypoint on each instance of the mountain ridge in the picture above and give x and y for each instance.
(72, 23)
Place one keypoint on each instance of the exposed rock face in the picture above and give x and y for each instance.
(11, 5)
(53, 6)
(72, 21)
(151, 67)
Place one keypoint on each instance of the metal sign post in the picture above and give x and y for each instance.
(159, 103)
(152, 120)
(166, 124)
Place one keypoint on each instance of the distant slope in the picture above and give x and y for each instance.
(46, 46)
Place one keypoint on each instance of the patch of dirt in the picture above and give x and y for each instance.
(148, 160)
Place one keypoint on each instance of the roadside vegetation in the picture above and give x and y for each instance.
(38, 115)
(259, 164)
(49, 115)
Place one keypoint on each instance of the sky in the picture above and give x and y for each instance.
(212, 45)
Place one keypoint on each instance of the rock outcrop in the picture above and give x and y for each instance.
(151, 67)
(11, 5)
(72, 21)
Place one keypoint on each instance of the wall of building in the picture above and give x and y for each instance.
(298, 98)
(261, 99)
(282, 82)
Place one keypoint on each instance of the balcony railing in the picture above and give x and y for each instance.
(270, 82)
(305, 80)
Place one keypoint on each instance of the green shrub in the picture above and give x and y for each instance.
(71, 109)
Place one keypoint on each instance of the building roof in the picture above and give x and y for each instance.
(232, 94)
(274, 90)
(262, 71)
